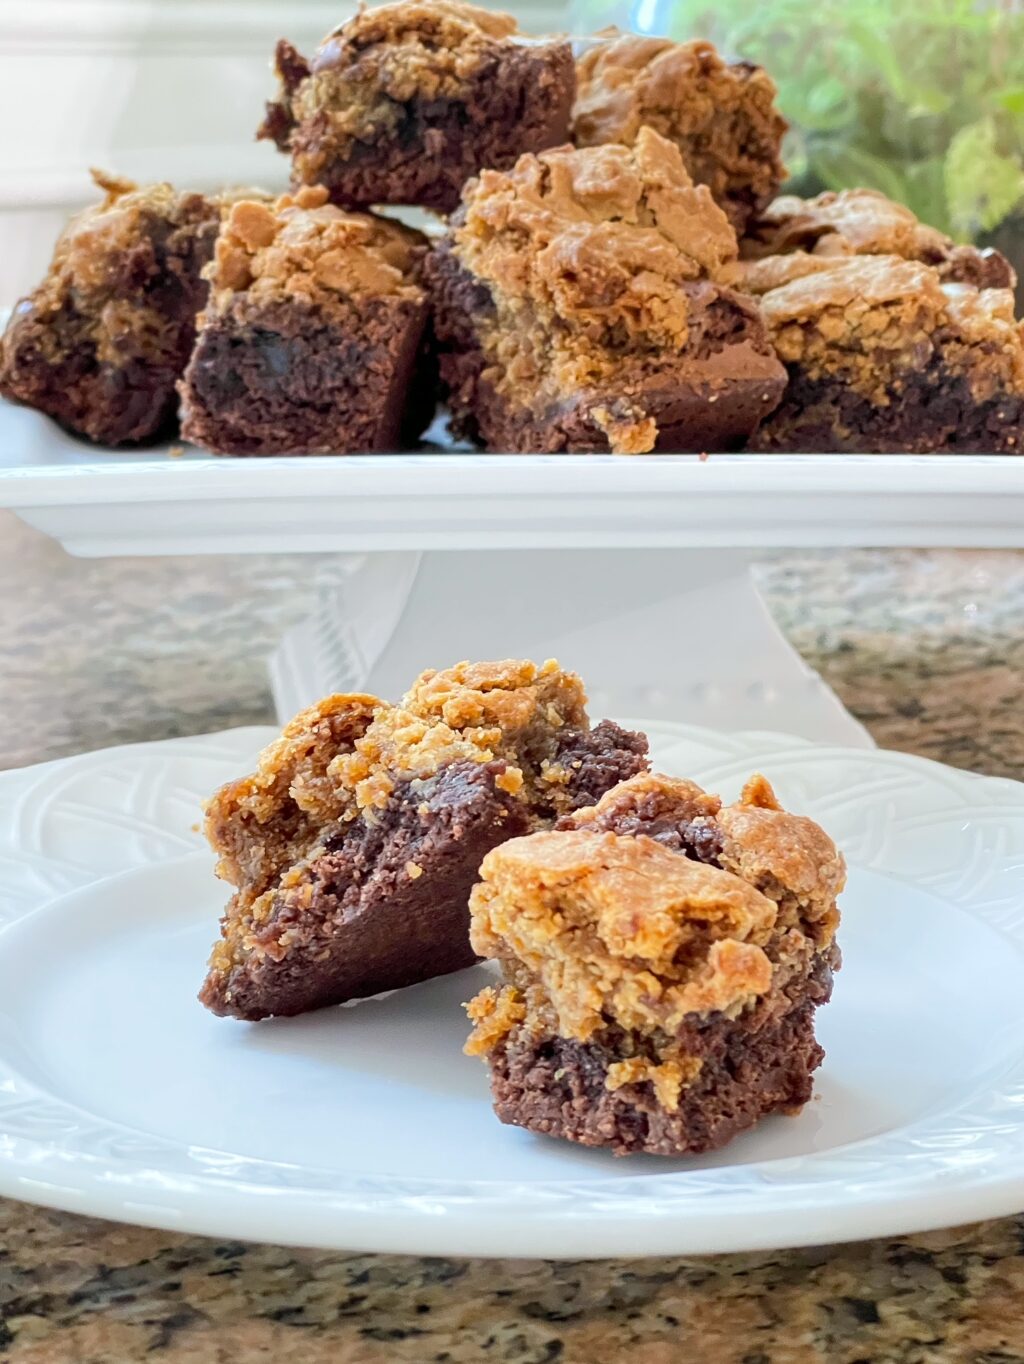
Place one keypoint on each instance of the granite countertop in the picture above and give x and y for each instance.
(926, 648)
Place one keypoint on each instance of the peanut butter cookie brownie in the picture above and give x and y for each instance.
(584, 301)
(884, 354)
(101, 343)
(355, 844)
(312, 341)
(721, 115)
(663, 957)
(402, 104)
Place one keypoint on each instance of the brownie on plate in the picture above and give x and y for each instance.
(313, 338)
(102, 341)
(793, 236)
(662, 960)
(722, 115)
(887, 355)
(584, 301)
(355, 844)
(402, 104)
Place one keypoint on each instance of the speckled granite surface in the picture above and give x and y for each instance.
(926, 648)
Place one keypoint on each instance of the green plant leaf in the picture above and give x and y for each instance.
(852, 167)
(982, 185)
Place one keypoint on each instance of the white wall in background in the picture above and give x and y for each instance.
(154, 89)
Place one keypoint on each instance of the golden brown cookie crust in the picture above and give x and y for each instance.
(722, 116)
(303, 247)
(870, 319)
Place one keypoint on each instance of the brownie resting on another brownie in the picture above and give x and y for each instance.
(355, 844)
(884, 355)
(403, 103)
(721, 115)
(663, 958)
(101, 343)
(583, 301)
(313, 339)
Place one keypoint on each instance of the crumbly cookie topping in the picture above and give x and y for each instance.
(869, 319)
(302, 246)
(722, 116)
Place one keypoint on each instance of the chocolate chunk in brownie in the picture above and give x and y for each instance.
(884, 354)
(354, 846)
(584, 302)
(101, 343)
(796, 237)
(721, 115)
(662, 957)
(314, 339)
(404, 103)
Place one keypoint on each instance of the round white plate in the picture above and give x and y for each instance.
(366, 1128)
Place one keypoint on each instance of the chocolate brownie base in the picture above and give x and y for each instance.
(759, 1063)
(726, 384)
(292, 378)
(51, 359)
(518, 102)
(934, 412)
(598, 759)
(387, 905)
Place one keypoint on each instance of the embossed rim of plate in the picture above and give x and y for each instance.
(962, 1164)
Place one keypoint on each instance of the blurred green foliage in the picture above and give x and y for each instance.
(922, 99)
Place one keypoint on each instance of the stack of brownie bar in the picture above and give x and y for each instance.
(615, 273)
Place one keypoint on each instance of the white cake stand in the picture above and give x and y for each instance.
(635, 571)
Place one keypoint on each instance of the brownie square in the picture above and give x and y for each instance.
(662, 960)
(403, 103)
(355, 844)
(314, 338)
(102, 341)
(583, 302)
(721, 115)
(886, 355)
(793, 236)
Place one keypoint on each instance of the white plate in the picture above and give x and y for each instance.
(366, 1128)
(98, 502)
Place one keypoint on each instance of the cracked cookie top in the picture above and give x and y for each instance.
(302, 246)
(721, 115)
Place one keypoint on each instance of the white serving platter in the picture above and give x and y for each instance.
(104, 503)
(366, 1128)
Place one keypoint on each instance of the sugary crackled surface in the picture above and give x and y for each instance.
(795, 237)
(848, 222)
(926, 646)
(100, 263)
(867, 319)
(303, 247)
(721, 115)
(365, 71)
(341, 758)
(586, 252)
(600, 924)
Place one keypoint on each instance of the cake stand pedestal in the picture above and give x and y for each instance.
(664, 633)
